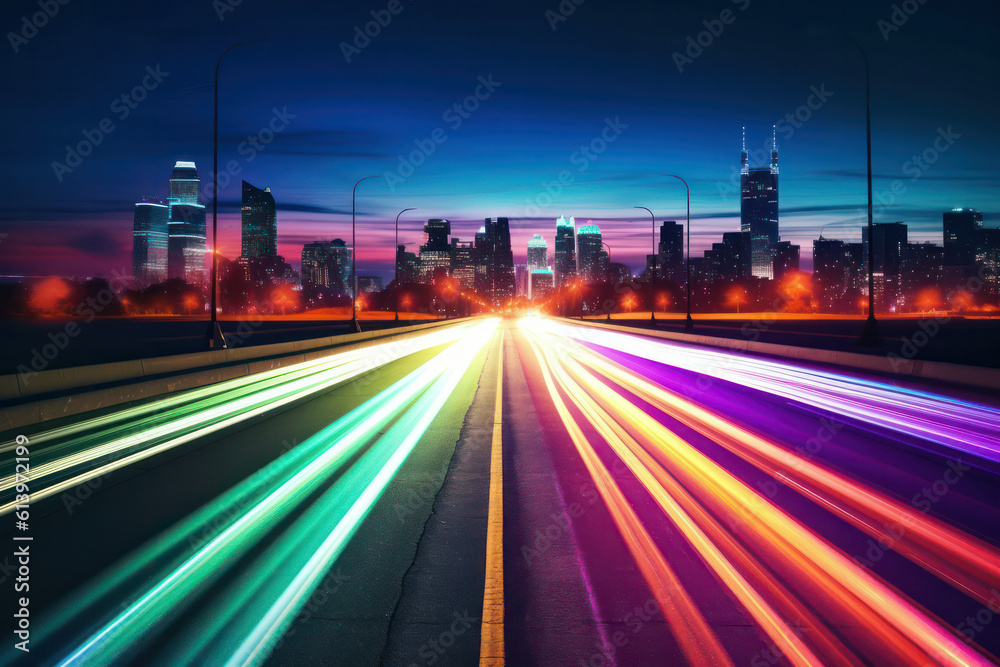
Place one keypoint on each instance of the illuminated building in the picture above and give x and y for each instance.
(541, 284)
(407, 265)
(326, 266)
(890, 239)
(538, 253)
(921, 265)
(960, 228)
(149, 243)
(592, 261)
(759, 211)
(463, 267)
(565, 259)
(670, 252)
(260, 225)
(186, 245)
(786, 258)
(435, 253)
(830, 275)
(500, 285)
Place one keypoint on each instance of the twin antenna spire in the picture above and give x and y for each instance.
(744, 167)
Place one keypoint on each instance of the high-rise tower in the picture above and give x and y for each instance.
(565, 260)
(961, 226)
(591, 258)
(186, 244)
(500, 284)
(759, 211)
(149, 243)
(538, 253)
(260, 224)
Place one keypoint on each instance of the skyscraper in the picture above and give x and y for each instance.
(260, 225)
(186, 244)
(960, 227)
(565, 260)
(149, 243)
(500, 284)
(890, 239)
(759, 211)
(184, 184)
(463, 267)
(540, 284)
(479, 254)
(435, 253)
(538, 253)
(786, 258)
(591, 258)
(830, 275)
(327, 266)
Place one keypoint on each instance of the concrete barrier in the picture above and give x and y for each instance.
(959, 374)
(175, 373)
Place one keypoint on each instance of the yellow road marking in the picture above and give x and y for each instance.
(491, 647)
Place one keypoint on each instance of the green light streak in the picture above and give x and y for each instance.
(216, 408)
(266, 499)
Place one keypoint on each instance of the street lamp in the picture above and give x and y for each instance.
(396, 255)
(215, 337)
(652, 306)
(870, 336)
(354, 256)
(688, 323)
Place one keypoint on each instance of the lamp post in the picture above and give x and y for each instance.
(688, 323)
(396, 255)
(652, 299)
(354, 255)
(870, 336)
(215, 338)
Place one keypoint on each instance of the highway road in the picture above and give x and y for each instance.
(626, 501)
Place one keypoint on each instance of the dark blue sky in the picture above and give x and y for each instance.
(555, 91)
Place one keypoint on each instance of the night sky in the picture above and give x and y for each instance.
(555, 90)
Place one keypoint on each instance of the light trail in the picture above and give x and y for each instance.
(960, 425)
(95, 447)
(811, 579)
(700, 645)
(410, 405)
(951, 554)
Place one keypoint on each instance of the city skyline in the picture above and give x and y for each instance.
(309, 141)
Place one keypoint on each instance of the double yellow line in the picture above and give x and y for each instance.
(491, 646)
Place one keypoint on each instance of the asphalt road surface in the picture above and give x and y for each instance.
(661, 504)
